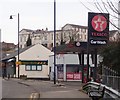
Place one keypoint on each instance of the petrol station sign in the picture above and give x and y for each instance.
(98, 28)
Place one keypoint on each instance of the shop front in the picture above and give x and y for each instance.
(68, 68)
(73, 72)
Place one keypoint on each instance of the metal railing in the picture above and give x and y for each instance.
(110, 78)
(110, 93)
(111, 81)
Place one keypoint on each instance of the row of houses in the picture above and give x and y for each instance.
(45, 37)
(69, 32)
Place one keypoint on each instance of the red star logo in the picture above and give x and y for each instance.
(99, 23)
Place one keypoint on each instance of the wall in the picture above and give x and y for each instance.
(35, 74)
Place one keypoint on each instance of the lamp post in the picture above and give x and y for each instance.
(54, 41)
(11, 17)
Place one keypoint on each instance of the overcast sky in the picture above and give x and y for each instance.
(39, 14)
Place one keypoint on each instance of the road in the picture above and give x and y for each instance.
(15, 88)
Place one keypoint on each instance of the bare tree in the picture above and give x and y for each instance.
(106, 6)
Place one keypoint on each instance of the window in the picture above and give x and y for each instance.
(57, 37)
(52, 37)
(33, 67)
(64, 35)
(45, 37)
(20, 46)
(24, 39)
(85, 37)
(80, 36)
(24, 46)
(39, 67)
(28, 67)
(57, 44)
(20, 39)
(51, 44)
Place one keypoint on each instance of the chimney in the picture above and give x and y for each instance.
(46, 29)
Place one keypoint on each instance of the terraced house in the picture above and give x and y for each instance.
(68, 33)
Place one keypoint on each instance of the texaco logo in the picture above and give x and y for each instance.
(99, 23)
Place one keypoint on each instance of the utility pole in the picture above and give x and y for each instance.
(11, 17)
(54, 41)
(18, 45)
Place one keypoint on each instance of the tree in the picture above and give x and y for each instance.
(29, 41)
(106, 6)
(111, 56)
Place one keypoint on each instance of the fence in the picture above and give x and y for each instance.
(110, 78)
(112, 81)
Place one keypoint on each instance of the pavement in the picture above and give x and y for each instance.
(50, 90)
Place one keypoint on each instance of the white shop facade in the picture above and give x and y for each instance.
(68, 67)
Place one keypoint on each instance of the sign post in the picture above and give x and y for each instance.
(98, 35)
(98, 28)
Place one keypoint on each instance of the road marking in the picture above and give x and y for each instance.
(34, 96)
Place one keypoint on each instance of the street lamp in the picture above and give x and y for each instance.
(11, 17)
(54, 41)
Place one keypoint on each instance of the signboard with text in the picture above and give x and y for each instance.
(98, 28)
(74, 76)
(41, 62)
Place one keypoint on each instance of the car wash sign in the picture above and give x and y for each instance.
(98, 28)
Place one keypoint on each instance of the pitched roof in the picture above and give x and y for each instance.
(79, 26)
(28, 30)
(12, 55)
